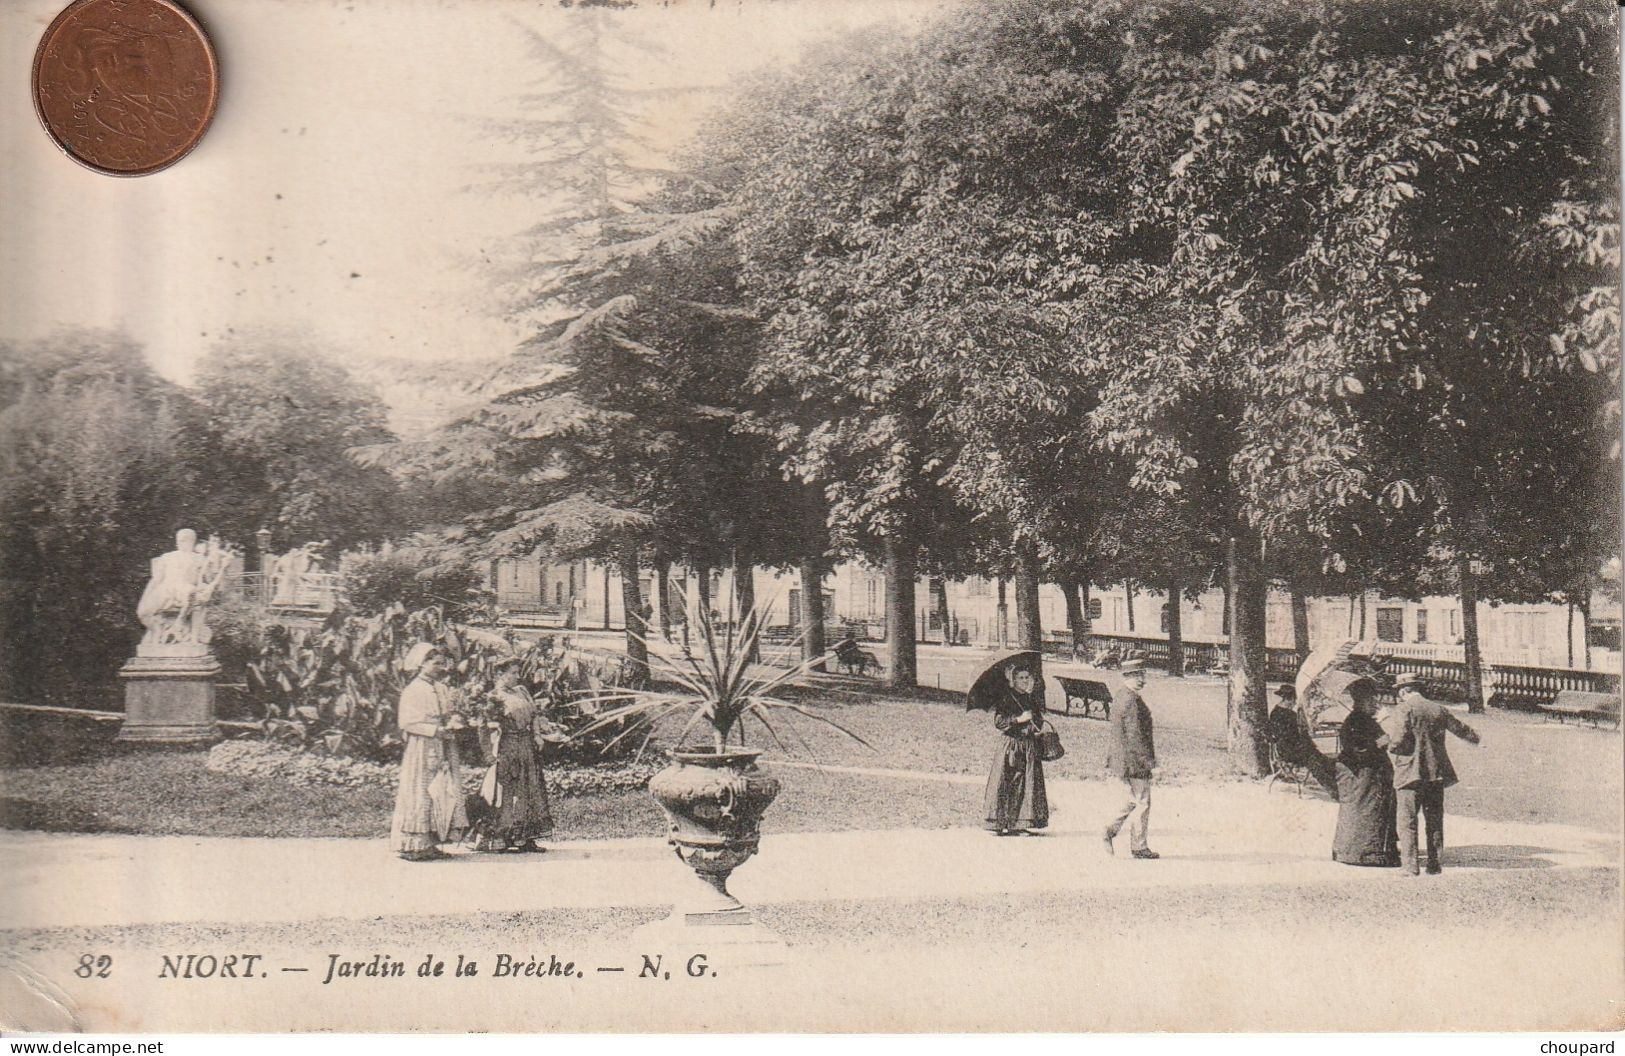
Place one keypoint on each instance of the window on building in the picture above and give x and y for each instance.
(1165, 617)
(873, 586)
(558, 593)
(1453, 618)
(1523, 629)
(1390, 625)
(1421, 625)
(1094, 608)
(976, 587)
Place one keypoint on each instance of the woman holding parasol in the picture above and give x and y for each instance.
(1337, 689)
(1367, 831)
(1015, 801)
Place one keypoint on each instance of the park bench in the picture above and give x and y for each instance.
(857, 661)
(1594, 708)
(1090, 694)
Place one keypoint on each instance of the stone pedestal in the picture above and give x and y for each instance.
(730, 939)
(169, 699)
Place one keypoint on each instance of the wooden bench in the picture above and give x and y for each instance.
(857, 661)
(1091, 694)
(1594, 708)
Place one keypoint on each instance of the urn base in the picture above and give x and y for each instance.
(731, 939)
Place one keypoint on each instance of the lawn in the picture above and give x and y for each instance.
(100, 787)
(171, 794)
(1525, 771)
(930, 730)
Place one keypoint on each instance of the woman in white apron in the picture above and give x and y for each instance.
(429, 806)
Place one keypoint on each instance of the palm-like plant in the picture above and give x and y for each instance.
(717, 687)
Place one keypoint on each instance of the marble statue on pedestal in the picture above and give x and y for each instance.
(174, 606)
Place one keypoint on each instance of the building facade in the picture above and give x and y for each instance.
(981, 611)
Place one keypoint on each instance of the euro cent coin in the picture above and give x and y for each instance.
(125, 87)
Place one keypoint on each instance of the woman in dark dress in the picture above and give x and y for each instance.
(1367, 833)
(514, 788)
(1015, 801)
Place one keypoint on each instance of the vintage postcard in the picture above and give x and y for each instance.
(810, 516)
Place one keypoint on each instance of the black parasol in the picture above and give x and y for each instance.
(991, 685)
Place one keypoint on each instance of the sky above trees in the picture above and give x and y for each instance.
(333, 193)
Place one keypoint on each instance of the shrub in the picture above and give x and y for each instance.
(238, 626)
(373, 583)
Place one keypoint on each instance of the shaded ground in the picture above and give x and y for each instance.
(171, 794)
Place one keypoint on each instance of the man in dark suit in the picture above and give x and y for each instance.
(1415, 729)
(1132, 756)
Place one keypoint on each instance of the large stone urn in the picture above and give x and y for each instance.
(714, 801)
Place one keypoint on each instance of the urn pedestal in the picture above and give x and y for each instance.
(169, 700)
(714, 803)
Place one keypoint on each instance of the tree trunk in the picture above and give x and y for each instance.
(1128, 591)
(1074, 615)
(1088, 623)
(1029, 628)
(939, 588)
(1585, 626)
(744, 570)
(1246, 708)
(637, 629)
(1300, 624)
(1176, 634)
(663, 595)
(1351, 615)
(702, 590)
(901, 658)
(1468, 590)
(1003, 615)
(1568, 611)
(1362, 615)
(812, 615)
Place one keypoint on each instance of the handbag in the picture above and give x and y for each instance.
(1050, 747)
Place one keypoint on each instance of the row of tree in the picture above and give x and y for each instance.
(1083, 291)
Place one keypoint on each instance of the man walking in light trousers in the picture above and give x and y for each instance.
(1132, 756)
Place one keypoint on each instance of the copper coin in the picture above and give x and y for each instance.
(125, 87)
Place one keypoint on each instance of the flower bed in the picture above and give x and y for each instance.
(263, 759)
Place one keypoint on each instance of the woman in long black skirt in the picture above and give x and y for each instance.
(1366, 830)
(1015, 800)
(514, 789)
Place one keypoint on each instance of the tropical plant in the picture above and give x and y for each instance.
(717, 687)
(334, 688)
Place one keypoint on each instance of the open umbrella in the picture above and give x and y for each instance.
(991, 684)
(1325, 679)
